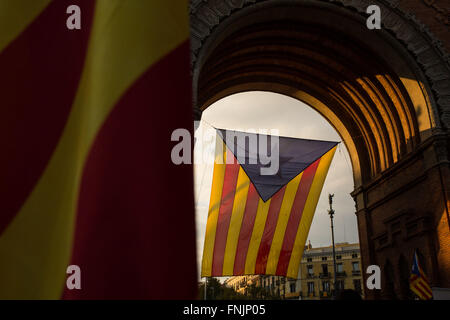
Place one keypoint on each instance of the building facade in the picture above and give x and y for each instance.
(273, 285)
(316, 275)
(240, 284)
(316, 280)
(386, 91)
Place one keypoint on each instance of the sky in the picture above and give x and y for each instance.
(258, 110)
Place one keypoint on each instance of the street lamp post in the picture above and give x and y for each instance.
(331, 213)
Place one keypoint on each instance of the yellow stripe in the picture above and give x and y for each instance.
(283, 218)
(424, 286)
(214, 205)
(414, 286)
(240, 199)
(16, 16)
(308, 213)
(126, 40)
(258, 229)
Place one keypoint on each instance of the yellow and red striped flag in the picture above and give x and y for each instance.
(258, 224)
(418, 282)
(86, 179)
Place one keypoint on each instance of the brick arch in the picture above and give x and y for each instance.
(386, 92)
(382, 109)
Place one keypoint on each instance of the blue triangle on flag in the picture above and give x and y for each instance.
(257, 151)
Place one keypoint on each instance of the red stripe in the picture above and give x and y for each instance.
(245, 234)
(225, 210)
(425, 286)
(423, 275)
(413, 277)
(269, 230)
(295, 216)
(40, 72)
(420, 291)
(135, 231)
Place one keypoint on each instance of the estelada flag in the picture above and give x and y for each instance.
(86, 179)
(258, 222)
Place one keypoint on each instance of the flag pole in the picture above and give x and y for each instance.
(331, 213)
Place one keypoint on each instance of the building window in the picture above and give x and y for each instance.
(325, 269)
(310, 270)
(339, 267)
(355, 266)
(324, 258)
(357, 285)
(310, 287)
(338, 257)
(355, 255)
(326, 286)
(292, 287)
(309, 259)
(340, 285)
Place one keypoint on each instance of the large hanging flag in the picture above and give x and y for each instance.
(258, 221)
(418, 282)
(86, 179)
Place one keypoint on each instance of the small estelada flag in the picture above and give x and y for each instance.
(264, 194)
(418, 282)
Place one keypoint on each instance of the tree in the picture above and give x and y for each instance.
(217, 291)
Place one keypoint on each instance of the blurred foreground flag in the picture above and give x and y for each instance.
(258, 220)
(418, 282)
(86, 179)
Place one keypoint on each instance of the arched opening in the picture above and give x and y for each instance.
(266, 111)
